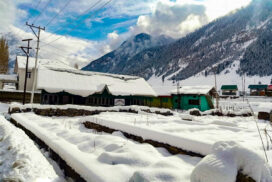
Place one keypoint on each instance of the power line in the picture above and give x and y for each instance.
(77, 18)
(48, 2)
(37, 4)
(78, 24)
(67, 3)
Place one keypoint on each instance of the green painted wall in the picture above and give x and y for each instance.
(182, 102)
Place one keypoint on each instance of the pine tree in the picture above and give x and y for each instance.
(4, 56)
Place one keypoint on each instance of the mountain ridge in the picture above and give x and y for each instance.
(240, 36)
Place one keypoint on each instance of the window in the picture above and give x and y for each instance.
(194, 102)
(28, 74)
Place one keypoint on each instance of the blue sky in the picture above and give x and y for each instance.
(77, 35)
(93, 25)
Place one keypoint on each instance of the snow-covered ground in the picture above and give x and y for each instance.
(197, 135)
(258, 103)
(107, 157)
(20, 159)
(229, 143)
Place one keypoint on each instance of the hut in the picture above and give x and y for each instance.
(188, 97)
(8, 82)
(229, 90)
(71, 86)
(258, 90)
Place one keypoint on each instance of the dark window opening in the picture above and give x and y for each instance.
(194, 102)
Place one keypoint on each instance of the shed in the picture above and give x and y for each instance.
(8, 80)
(258, 90)
(70, 86)
(188, 97)
(229, 89)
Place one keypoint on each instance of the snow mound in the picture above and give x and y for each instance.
(20, 159)
(226, 159)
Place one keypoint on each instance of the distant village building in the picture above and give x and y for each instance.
(258, 90)
(269, 91)
(71, 86)
(188, 97)
(229, 90)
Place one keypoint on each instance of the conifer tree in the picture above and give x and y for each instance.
(4, 56)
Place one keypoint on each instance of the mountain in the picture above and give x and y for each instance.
(240, 42)
(116, 61)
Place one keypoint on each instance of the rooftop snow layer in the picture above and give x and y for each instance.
(199, 90)
(4, 77)
(85, 83)
(21, 61)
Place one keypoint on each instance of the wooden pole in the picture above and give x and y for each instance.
(26, 69)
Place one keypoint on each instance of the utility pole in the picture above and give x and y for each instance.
(215, 84)
(36, 59)
(27, 56)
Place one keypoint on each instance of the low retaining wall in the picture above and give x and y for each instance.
(71, 112)
(17, 96)
(216, 112)
(265, 116)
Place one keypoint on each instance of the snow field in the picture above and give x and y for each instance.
(20, 159)
(104, 157)
(197, 135)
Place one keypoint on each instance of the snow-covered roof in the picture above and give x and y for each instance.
(12, 78)
(21, 61)
(85, 83)
(199, 90)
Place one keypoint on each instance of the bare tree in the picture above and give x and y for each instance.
(4, 56)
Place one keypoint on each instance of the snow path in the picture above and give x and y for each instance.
(103, 157)
(20, 159)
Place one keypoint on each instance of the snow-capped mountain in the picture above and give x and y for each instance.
(116, 61)
(240, 43)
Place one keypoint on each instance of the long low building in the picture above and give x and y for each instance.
(72, 86)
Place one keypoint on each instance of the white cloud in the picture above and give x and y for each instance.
(7, 9)
(178, 18)
(67, 49)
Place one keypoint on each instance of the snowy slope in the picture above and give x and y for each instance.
(228, 77)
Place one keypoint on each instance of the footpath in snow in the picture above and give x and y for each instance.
(20, 159)
(102, 157)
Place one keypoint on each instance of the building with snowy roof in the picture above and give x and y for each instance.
(20, 69)
(8, 81)
(188, 97)
(229, 89)
(71, 86)
(258, 90)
